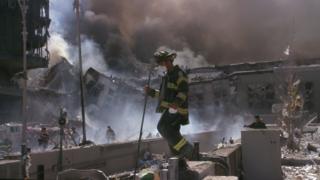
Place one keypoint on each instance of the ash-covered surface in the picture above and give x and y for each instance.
(305, 152)
(148, 164)
(308, 172)
(303, 163)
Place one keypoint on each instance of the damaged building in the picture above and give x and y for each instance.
(107, 91)
(254, 87)
(282, 95)
(11, 50)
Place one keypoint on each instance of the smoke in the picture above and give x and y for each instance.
(221, 31)
(91, 54)
(123, 113)
(121, 37)
(58, 48)
(187, 58)
(60, 45)
(210, 117)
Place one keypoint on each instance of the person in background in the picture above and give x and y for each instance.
(110, 135)
(258, 124)
(75, 136)
(44, 138)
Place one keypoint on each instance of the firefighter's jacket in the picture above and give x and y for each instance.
(173, 90)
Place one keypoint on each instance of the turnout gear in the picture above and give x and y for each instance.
(173, 104)
(169, 129)
(173, 93)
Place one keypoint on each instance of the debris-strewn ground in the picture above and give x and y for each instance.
(310, 170)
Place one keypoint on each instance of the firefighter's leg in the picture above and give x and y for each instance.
(170, 130)
(165, 129)
(161, 126)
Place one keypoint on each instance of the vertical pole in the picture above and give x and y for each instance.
(142, 122)
(174, 168)
(60, 149)
(24, 8)
(196, 150)
(40, 172)
(164, 174)
(84, 139)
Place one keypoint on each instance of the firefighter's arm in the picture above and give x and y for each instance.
(182, 90)
(151, 92)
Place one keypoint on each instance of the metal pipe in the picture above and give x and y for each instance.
(62, 122)
(142, 121)
(24, 8)
(40, 172)
(60, 158)
(174, 168)
(196, 150)
(84, 139)
(164, 174)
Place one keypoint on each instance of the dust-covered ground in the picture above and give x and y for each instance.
(309, 171)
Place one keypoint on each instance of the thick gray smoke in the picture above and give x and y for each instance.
(119, 37)
(221, 31)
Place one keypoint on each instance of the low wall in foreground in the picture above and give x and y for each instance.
(110, 158)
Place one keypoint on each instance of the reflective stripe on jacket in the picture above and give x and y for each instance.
(174, 91)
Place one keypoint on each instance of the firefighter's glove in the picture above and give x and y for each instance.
(147, 89)
(173, 109)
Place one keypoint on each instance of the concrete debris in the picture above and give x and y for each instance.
(307, 143)
(204, 168)
(187, 169)
(308, 172)
(303, 164)
(311, 147)
(151, 160)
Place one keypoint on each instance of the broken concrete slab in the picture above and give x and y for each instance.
(299, 161)
(204, 168)
(10, 169)
(311, 147)
(232, 157)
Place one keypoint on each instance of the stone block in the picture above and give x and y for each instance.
(204, 168)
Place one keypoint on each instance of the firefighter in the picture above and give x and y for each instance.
(173, 104)
(75, 136)
(110, 135)
(44, 138)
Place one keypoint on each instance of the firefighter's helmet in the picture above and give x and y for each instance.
(164, 55)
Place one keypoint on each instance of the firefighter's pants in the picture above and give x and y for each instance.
(169, 128)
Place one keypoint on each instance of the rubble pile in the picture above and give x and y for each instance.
(148, 165)
(306, 152)
(308, 172)
(303, 164)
